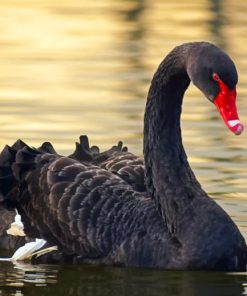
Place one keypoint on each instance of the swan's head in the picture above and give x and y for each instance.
(215, 74)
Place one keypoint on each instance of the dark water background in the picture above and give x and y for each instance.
(83, 67)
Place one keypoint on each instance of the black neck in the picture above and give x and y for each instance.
(169, 177)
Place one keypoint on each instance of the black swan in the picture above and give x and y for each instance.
(97, 216)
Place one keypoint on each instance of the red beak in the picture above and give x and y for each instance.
(226, 105)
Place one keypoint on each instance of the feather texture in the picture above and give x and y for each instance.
(116, 160)
(87, 211)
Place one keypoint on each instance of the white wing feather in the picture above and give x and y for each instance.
(29, 250)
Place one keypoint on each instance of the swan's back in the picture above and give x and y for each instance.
(84, 209)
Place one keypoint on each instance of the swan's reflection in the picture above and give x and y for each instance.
(25, 279)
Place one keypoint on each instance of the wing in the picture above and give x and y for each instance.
(82, 208)
(117, 160)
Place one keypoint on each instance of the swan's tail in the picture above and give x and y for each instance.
(16, 162)
(19, 163)
(8, 183)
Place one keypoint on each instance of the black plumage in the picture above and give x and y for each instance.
(87, 211)
(117, 160)
(96, 207)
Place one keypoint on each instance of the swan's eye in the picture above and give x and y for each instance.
(215, 77)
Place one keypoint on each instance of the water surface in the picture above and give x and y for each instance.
(97, 281)
(84, 67)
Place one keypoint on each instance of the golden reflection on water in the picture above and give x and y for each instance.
(73, 67)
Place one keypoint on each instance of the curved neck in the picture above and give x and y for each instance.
(169, 177)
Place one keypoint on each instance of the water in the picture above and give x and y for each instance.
(84, 67)
(104, 281)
